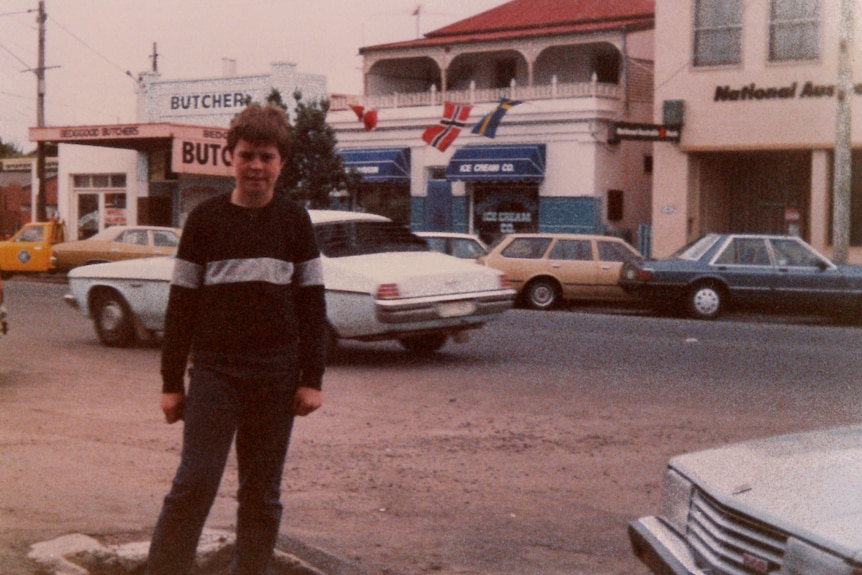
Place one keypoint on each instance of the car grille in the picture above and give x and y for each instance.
(731, 543)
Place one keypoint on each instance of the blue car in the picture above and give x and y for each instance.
(773, 273)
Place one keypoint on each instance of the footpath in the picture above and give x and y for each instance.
(79, 554)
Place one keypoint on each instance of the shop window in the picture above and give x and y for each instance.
(717, 32)
(794, 30)
(99, 180)
(101, 202)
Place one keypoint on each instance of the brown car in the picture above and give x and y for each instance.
(548, 268)
(117, 243)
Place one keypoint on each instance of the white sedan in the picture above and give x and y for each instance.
(786, 505)
(382, 283)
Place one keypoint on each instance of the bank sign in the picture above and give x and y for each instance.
(645, 132)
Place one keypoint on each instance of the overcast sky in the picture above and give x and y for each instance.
(91, 44)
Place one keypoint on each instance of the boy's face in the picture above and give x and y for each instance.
(256, 167)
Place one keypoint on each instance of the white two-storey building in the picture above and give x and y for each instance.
(576, 66)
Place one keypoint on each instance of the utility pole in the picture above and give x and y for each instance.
(843, 146)
(155, 58)
(41, 213)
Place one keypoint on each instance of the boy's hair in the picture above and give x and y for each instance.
(261, 125)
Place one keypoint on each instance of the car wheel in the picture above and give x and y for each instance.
(114, 323)
(424, 344)
(541, 294)
(705, 301)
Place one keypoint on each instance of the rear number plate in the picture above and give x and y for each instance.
(455, 308)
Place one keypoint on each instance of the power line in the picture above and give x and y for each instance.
(93, 50)
(14, 55)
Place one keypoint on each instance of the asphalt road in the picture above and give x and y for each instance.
(525, 450)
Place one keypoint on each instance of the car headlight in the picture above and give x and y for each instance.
(801, 558)
(677, 499)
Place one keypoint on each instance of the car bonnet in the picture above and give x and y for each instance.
(809, 485)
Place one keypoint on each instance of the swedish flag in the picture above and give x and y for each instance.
(487, 126)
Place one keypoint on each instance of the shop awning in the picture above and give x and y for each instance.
(504, 163)
(379, 164)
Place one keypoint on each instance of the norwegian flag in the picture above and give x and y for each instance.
(443, 134)
(367, 117)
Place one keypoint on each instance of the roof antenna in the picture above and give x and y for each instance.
(416, 13)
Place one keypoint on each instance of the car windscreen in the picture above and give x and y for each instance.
(696, 249)
(342, 239)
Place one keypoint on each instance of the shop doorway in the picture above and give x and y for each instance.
(438, 206)
(97, 211)
(763, 192)
(504, 208)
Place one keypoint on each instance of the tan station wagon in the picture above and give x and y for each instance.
(549, 268)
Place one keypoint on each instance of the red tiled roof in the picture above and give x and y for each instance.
(523, 18)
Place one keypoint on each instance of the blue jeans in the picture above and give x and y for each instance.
(250, 398)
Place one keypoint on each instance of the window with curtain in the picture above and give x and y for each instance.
(717, 32)
(794, 30)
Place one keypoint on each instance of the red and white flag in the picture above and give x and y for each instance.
(454, 119)
(368, 118)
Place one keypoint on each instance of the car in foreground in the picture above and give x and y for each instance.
(117, 243)
(455, 244)
(548, 268)
(787, 505)
(774, 273)
(382, 283)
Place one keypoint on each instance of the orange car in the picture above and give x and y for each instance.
(117, 243)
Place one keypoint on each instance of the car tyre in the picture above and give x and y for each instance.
(541, 294)
(705, 301)
(424, 344)
(114, 322)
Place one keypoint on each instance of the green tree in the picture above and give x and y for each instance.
(9, 150)
(314, 170)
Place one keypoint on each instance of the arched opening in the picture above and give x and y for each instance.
(577, 63)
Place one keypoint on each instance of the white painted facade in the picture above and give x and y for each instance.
(565, 108)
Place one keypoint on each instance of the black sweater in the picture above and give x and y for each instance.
(247, 280)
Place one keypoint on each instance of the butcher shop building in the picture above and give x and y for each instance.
(156, 170)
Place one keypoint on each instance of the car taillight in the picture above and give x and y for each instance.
(504, 282)
(388, 291)
(638, 274)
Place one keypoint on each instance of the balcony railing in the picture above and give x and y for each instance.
(473, 95)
